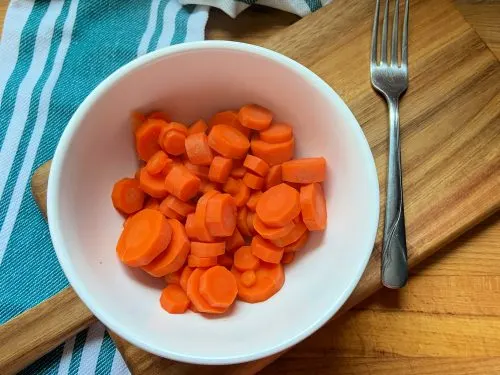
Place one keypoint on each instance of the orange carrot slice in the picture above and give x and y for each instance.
(186, 272)
(273, 153)
(174, 299)
(177, 126)
(173, 277)
(254, 116)
(146, 138)
(313, 205)
(200, 171)
(248, 278)
(266, 251)
(193, 292)
(243, 194)
(304, 171)
(195, 261)
(229, 118)
(173, 142)
(220, 169)
(202, 232)
(168, 212)
(299, 244)
(250, 218)
(298, 230)
(232, 186)
(225, 261)
(137, 119)
(252, 201)
(228, 141)
(157, 162)
(242, 223)
(206, 186)
(220, 218)
(277, 133)
(205, 250)
(269, 278)
(153, 185)
(238, 172)
(199, 126)
(278, 206)
(253, 181)
(146, 235)
(218, 287)
(178, 206)
(287, 258)
(159, 115)
(235, 241)
(181, 183)
(270, 233)
(256, 165)
(174, 257)
(273, 177)
(198, 150)
(245, 260)
(191, 230)
(127, 196)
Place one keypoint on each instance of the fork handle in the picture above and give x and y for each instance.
(394, 253)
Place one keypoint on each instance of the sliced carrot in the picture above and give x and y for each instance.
(174, 257)
(220, 169)
(220, 217)
(168, 166)
(304, 171)
(270, 233)
(273, 153)
(241, 222)
(198, 150)
(287, 258)
(199, 126)
(243, 194)
(245, 260)
(238, 172)
(228, 141)
(256, 165)
(195, 261)
(186, 272)
(145, 236)
(177, 126)
(252, 201)
(294, 235)
(277, 133)
(193, 292)
(159, 115)
(202, 232)
(254, 116)
(152, 203)
(232, 186)
(248, 278)
(190, 227)
(269, 278)
(153, 185)
(157, 162)
(253, 181)
(146, 138)
(266, 251)
(250, 218)
(218, 287)
(299, 244)
(173, 142)
(175, 204)
(200, 171)
(127, 196)
(313, 205)
(225, 260)
(174, 277)
(205, 250)
(278, 206)
(229, 118)
(273, 178)
(181, 183)
(138, 119)
(174, 299)
(168, 212)
(235, 241)
(206, 186)
(127, 221)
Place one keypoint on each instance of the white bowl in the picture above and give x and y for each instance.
(190, 81)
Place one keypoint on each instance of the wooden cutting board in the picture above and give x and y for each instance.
(450, 130)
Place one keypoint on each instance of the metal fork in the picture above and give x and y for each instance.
(390, 79)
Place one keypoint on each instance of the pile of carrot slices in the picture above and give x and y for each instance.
(217, 209)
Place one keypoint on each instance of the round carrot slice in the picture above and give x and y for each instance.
(205, 250)
(173, 277)
(253, 181)
(193, 292)
(238, 172)
(273, 153)
(198, 150)
(243, 194)
(199, 126)
(177, 126)
(174, 299)
(254, 116)
(186, 272)
(232, 186)
(256, 165)
(127, 196)
(228, 141)
(229, 118)
(266, 251)
(168, 212)
(146, 138)
(299, 244)
(159, 115)
(252, 201)
(277, 133)
(191, 230)
(269, 278)
(313, 205)
(218, 287)
(195, 261)
(181, 183)
(298, 230)
(220, 169)
(279, 205)
(202, 232)
(245, 260)
(304, 171)
(270, 233)
(153, 185)
(248, 278)
(200, 171)
(157, 162)
(250, 217)
(220, 217)
(146, 235)
(178, 206)
(242, 223)
(173, 142)
(235, 241)
(287, 258)
(174, 257)
(273, 177)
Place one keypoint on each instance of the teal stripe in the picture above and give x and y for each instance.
(27, 46)
(181, 22)
(106, 354)
(47, 365)
(313, 5)
(249, 2)
(77, 352)
(159, 26)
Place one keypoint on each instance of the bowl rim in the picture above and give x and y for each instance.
(54, 189)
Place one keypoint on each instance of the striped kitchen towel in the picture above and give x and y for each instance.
(52, 54)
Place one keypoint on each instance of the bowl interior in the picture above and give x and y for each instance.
(190, 82)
